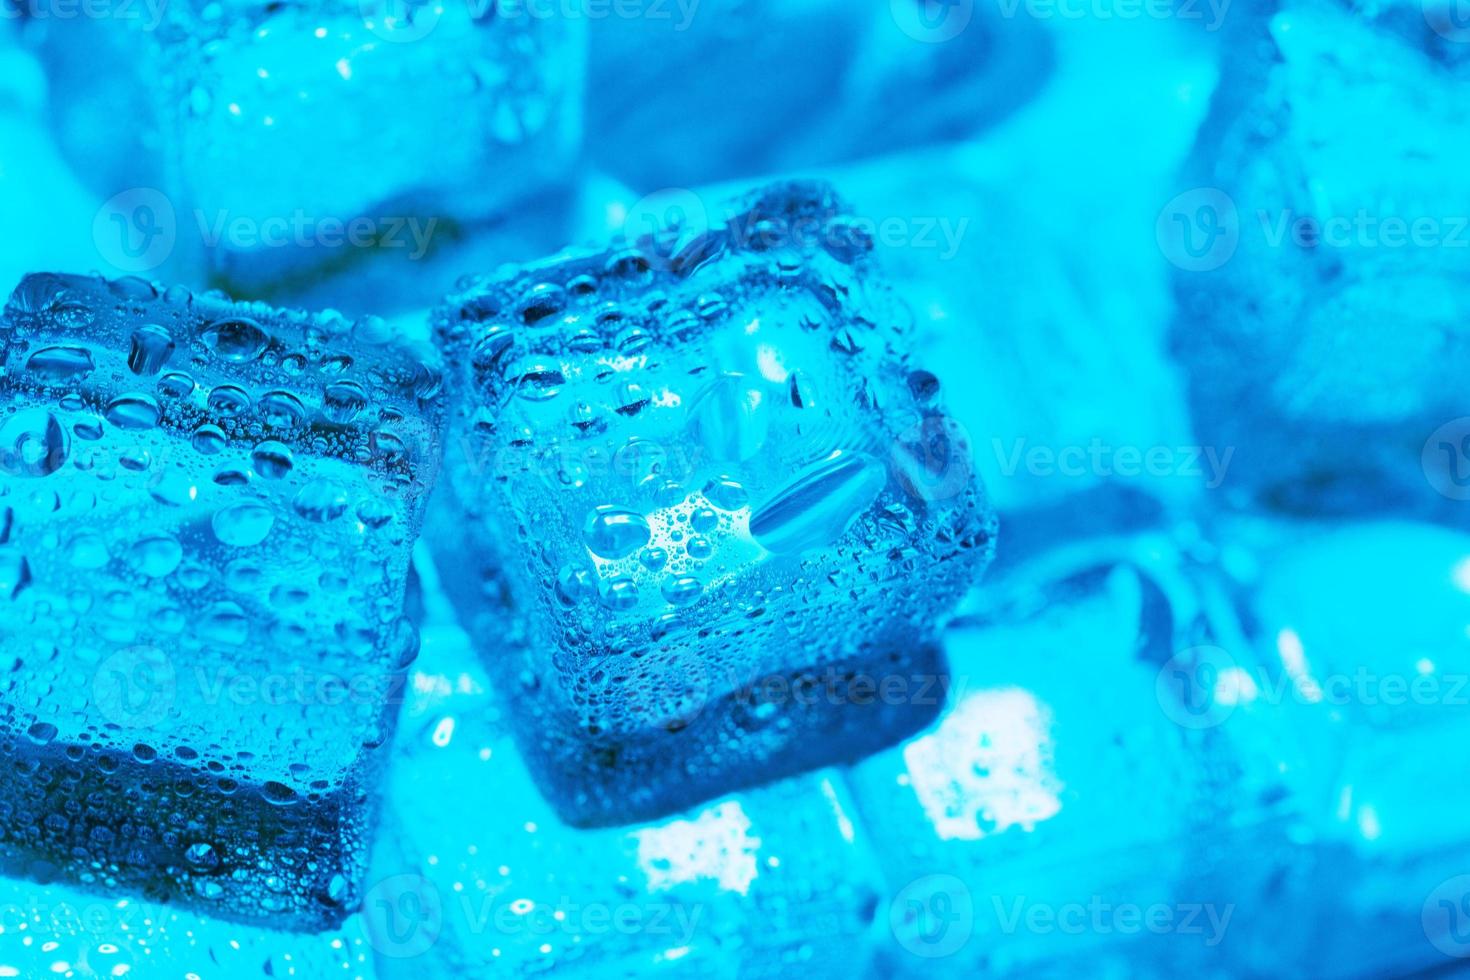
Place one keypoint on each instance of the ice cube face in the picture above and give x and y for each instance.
(1319, 236)
(1071, 790)
(758, 885)
(695, 461)
(213, 100)
(206, 513)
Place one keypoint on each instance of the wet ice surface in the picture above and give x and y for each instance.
(701, 454)
(762, 884)
(206, 512)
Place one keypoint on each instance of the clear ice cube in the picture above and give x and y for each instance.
(1317, 234)
(264, 146)
(765, 884)
(691, 460)
(206, 514)
(1072, 810)
(1362, 632)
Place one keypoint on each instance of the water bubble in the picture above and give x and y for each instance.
(235, 339)
(208, 439)
(33, 443)
(88, 550)
(618, 593)
(272, 459)
(321, 501)
(726, 494)
(42, 733)
(613, 532)
(156, 555)
(279, 794)
(242, 525)
(202, 856)
(682, 590)
(730, 418)
(15, 573)
(343, 401)
(538, 381)
(135, 411)
(224, 622)
(281, 409)
(57, 365)
(229, 401)
(149, 349)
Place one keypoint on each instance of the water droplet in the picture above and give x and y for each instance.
(242, 525)
(538, 381)
(42, 733)
(818, 507)
(202, 856)
(150, 348)
(228, 401)
(726, 494)
(730, 418)
(618, 593)
(281, 409)
(343, 401)
(156, 556)
(279, 794)
(208, 439)
(174, 489)
(176, 384)
(224, 622)
(272, 459)
(15, 573)
(682, 590)
(235, 339)
(33, 443)
(135, 411)
(56, 365)
(87, 550)
(613, 532)
(321, 501)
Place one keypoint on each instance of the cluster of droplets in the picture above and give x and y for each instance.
(189, 487)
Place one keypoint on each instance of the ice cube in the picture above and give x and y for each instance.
(1074, 809)
(758, 885)
(1363, 630)
(206, 513)
(851, 81)
(53, 930)
(1319, 282)
(694, 465)
(271, 145)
